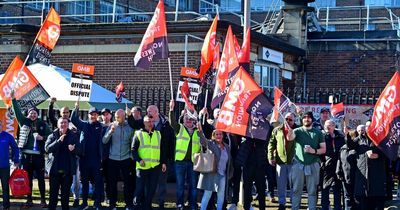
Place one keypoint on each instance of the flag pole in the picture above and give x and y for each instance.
(27, 57)
(170, 79)
(205, 104)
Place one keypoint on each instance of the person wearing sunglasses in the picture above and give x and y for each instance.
(280, 154)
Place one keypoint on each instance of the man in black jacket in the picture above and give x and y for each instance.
(62, 146)
(91, 155)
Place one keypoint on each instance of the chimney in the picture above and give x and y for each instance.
(295, 21)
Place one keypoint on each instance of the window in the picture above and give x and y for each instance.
(266, 76)
(139, 18)
(326, 3)
(266, 5)
(38, 4)
(183, 4)
(81, 8)
(231, 5)
(107, 8)
(382, 2)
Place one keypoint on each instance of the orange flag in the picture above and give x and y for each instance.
(228, 67)
(244, 54)
(207, 51)
(50, 30)
(27, 89)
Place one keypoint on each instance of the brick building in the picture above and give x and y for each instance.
(323, 44)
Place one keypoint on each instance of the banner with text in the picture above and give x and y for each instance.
(81, 81)
(354, 114)
(190, 75)
(9, 122)
(27, 89)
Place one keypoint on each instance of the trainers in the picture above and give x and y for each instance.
(179, 207)
(232, 207)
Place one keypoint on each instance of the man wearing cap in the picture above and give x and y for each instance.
(91, 154)
(280, 154)
(106, 117)
(32, 136)
(324, 116)
(187, 144)
(309, 144)
(119, 135)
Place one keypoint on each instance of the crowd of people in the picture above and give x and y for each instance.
(140, 150)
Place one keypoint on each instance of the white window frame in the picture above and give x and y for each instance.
(107, 8)
(271, 71)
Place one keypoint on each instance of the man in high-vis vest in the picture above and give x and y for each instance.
(149, 152)
(187, 144)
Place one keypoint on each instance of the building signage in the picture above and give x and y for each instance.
(271, 55)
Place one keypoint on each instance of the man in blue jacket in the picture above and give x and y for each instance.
(7, 141)
(91, 155)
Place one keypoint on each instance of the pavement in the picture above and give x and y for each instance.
(170, 204)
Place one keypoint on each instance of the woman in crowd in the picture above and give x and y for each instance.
(215, 181)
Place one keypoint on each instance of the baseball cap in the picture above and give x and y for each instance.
(93, 109)
(325, 110)
(105, 110)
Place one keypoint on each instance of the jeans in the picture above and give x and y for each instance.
(336, 197)
(282, 177)
(146, 185)
(59, 181)
(311, 175)
(348, 192)
(220, 194)
(184, 169)
(76, 182)
(5, 188)
(91, 174)
(35, 164)
(114, 168)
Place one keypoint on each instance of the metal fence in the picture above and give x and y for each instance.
(160, 96)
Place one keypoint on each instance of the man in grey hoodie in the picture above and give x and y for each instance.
(119, 134)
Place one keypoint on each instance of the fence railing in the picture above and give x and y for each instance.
(160, 96)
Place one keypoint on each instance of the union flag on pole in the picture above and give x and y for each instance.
(384, 130)
(50, 30)
(337, 110)
(154, 44)
(208, 49)
(245, 108)
(228, 67)
(281, 103)
(27, 90)
(119, 92)
(47, 38)
(244, 54)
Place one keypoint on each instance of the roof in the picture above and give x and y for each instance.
(173, 27)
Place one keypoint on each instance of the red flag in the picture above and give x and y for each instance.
(207, 51)
(281, 102)
(228, 67)
(27, 89)
(154, 44)
(245, 108)
(237, 46)
(50, 30)
(216, 56)
(337, 110)
(384, 130)
(244, 54)
(119, 92)
(186, 93)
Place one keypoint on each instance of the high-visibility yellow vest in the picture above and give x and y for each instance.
(182, 143)
(149, 149)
